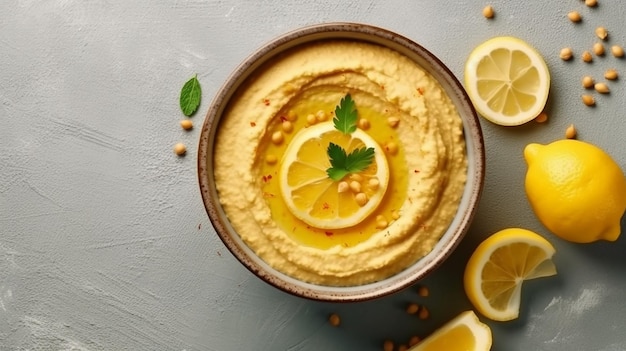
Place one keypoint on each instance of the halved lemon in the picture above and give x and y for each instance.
(500, 264)
(507, 80)
(465, 332)
(312, 196)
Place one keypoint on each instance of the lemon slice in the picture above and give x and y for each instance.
(463, 333)
(320, 201)
(507, 80)
(500, 264)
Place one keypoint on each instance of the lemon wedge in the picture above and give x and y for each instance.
(316, 199)
(507, 80)
(465, 332)
(500, 264)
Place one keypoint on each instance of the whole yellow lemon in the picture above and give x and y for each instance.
(576, 190)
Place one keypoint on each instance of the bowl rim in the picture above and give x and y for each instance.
(375, 35)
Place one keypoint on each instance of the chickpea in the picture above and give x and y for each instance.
(598, 49)
(566, 54)
(287, 126)
(271, 159)
(591, 3)
(543, 117)
(334, 320)
(277, 137)
(588, 82)
(343, 186)
(180, 149)
(374, 183)
(186, 124)
(617, 51)
(574, 16)
(363, 124)
(602, 33)
(588, 100)
(414, 340)
(570, 132)
(610, 74)
(361, 199)
(388, 345)
(355, 186)
(391, 147)
(601, 88)
(488, 11)
(412, 308)
(393, 121)
(586, 56)
(423, 313)
(423, 291)
(310, 119)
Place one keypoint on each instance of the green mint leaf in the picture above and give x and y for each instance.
(190, 96)
(345, 115)
(359, 159)
(338, 158)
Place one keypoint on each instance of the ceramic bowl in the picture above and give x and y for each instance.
(474, 148)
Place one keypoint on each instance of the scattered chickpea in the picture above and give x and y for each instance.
(588, 100)
(617, 51)
(414, 340)
(543, 117)
(570, 132)
(588, 82)
(412, 308)
(488, 11)
(602, 33)
(310, 119)
(423, 313)
(271, 159)
(334, 320)
(598, 49)
(186, 124)
(287, 126)
(601, 88)
(591, 3)
(381, 222)
(574, 16)
(388, 345)
(277, 137)
(321, 116)
(291, 116)
(610, 74)
(361, 199)
(423, 291)
(357, 177)
(391, 147)
(566, 54)
(343, 186)
(355, 186)
(374, 183)
(402, 348)
(586, 56)
(393, 121)
(364, 123)
(180, 149)
(395, 214)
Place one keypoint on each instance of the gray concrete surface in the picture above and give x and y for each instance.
(105, 245)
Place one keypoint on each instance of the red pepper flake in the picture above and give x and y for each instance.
(328, 233)
(266, 102)
(420, 90)
(267, 178)
(325, 205)
(382, 86)
(283, 119)
(252, 124)
(416, 171)
(268, 195)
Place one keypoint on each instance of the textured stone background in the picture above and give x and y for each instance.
(105, 244)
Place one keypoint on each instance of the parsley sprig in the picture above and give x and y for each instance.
(341, 162)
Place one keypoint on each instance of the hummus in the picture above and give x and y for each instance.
(401, 104)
